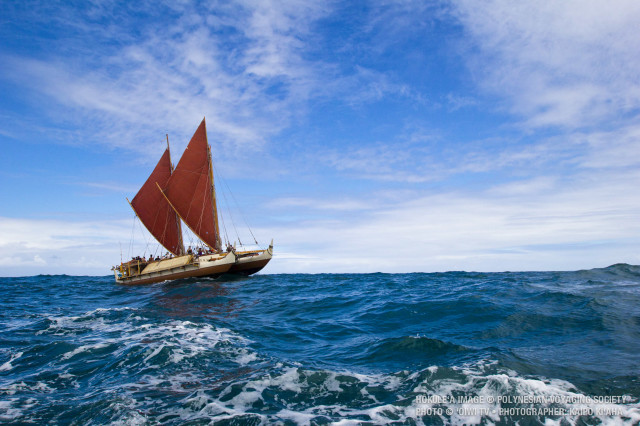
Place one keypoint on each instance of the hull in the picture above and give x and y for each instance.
(250, 262)
(176, 268)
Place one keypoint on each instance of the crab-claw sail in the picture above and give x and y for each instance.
(190, 190)
(155, 212)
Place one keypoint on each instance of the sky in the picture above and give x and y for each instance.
(367, 136)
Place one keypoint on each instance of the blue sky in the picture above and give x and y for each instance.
(393, 136)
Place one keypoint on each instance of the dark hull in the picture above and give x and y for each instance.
(249, 267)
(250, 262)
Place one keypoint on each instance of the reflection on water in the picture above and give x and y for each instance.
(201, 298)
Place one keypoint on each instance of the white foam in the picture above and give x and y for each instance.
(92, 320)
(331, 384)
(103, 310)
(154, 352)
(21, 386)
(493, 386)
(8, 412)
(473, 381)
(246, 358)
(182, 339)
(295, 380)
(84, 348)
(299, 418)
(7, 365)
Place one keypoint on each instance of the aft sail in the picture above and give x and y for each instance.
(190, 190)
(155, 212)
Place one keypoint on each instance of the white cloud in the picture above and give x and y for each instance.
(539, 224)
(569, 64)
(222, 66)
(32, 246)
(617, 148)
(299, 202)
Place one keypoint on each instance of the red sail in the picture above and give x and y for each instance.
(155, 212)
(190, 189)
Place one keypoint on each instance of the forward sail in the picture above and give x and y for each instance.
(155, 212)
(190, 190)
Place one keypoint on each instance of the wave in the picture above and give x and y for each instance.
(183, 371)
(618, 271)
(478, 393)
(413, 350)
(7, 365)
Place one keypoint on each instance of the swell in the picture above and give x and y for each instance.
(618, 271)
(413, 352)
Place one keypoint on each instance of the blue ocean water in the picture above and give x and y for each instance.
(441, 348)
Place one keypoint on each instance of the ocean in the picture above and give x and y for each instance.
(423, 348)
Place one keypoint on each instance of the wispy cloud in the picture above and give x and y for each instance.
(179, 69)
(456, 102)
(312, 203)
(110, 186)
(568, 64)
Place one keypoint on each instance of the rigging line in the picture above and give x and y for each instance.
(189, 234)
(133, 228)
(227, 204)
(135, 242)
(194, 241)
(162, 236)
(166, 229)
(237, 205)
(146, 239)
(221, 216)
(224, 226)
(201, 218)
(157, 247)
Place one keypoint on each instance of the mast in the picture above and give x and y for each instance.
(213, 200)
(181, 250)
